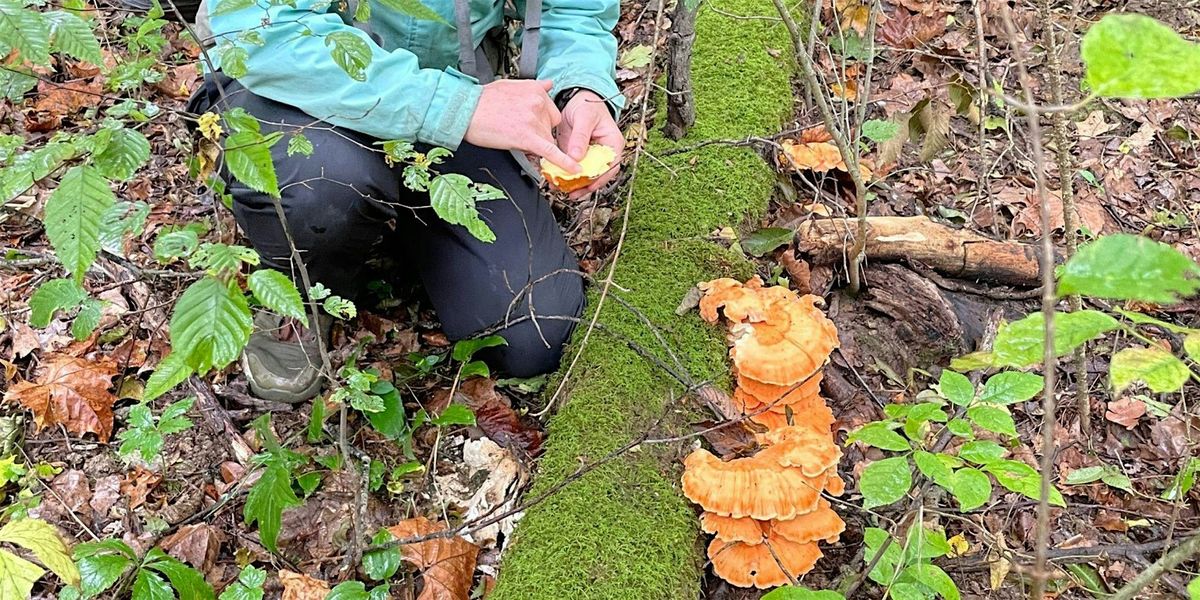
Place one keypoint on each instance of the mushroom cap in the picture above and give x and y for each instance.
(770, 420)
(790, 344)
(598, 160)
(757, 487)
(741, 302)
(820, 524)
(754, 565)
(835, 484)
(803, 447)
(765, 393)
(733, 529)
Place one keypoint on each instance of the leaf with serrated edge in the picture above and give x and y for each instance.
(276, 292)
(53, 296)
(17, 576)
(211, 325)
(73, 215)
(248, 155)
(43, 540)
(268, 498)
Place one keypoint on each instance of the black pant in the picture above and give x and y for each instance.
(344, 203)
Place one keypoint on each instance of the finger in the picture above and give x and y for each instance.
(552, 111)
(547, 84)
(581, 134)
(546, 149)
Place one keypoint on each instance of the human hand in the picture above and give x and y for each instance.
(519, 115)
(586, 120)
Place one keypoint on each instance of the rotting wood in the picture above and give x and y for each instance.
(949, 251)
(681, 108)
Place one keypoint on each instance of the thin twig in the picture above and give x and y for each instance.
(1050, 363)
(1170, 560)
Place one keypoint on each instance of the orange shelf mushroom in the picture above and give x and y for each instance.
(765, 511)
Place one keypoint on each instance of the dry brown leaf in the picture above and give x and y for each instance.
(447, 564)
(1089, 213)
(1125, 412)
(106, 493)
(935, 120)
(1094, 125)
(70, 391)
(138, 484)
(816, 133)
(905, 29)
(24, 340)
(856, 17)
(196, 545)
(297, 586)
(816, 156)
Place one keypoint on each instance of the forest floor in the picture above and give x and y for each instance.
(966, 165)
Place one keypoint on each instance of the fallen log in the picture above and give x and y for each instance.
(952, 252)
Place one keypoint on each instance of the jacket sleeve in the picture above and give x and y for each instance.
(397, 99)
(578, 49)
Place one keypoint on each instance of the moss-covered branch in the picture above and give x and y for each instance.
(624, 531)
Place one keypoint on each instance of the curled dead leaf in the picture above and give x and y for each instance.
(297, 586)
(138, 484)
(196, 545)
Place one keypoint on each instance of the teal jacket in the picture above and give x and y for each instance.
(412, 90)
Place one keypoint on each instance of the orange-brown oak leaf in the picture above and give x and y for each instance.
(447, 564)
(70, 391)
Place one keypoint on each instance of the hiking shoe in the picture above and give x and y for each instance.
(283, 363)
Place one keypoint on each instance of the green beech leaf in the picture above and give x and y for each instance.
(73, 214)
(1023, 479)
(956, 387)
(126, 152)
(211, 325)
(73, 36)
(765, 241)
(993, 418)
(172, 370)
(175, 244)
(971, 487)
(248, 156)
(415, 9)
(1021, 343)
(43, 540)
(350, 52)
(880, 434)
(87, 319)
(267, 500)
(1135, 56)
(298, 143)
(277, 293)
(1130, 267)
(53, 296)
(1161, 371)
(1011, 387)
(26, 30)
(885, 481)
(981, 452)
(453, 199)
(123, 218)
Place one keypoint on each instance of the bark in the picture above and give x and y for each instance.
(681, 108)
(952, 252)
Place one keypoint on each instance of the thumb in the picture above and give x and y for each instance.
(547, 84)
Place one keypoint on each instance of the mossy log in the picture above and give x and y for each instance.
(624, 531)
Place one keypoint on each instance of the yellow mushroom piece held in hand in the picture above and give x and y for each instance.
(598, 160)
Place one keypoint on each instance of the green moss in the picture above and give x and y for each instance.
(624, 531)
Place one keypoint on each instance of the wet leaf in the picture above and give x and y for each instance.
(495, 416)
